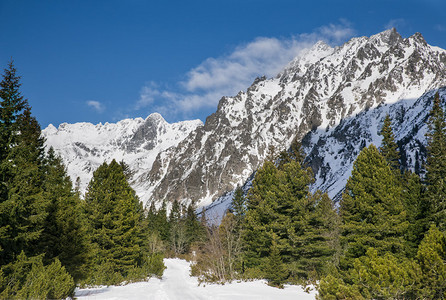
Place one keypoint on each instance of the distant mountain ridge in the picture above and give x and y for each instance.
(333, 98)
(85, 146)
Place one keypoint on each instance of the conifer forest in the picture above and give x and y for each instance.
(384, 239)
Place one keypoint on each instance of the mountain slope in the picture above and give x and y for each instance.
(84, 146)
(333, 99)
(315, 92)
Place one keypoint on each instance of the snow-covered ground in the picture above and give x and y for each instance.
(178, 284)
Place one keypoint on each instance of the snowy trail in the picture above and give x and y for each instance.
(178, 284)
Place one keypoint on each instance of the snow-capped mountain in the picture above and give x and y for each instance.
(328, 92)
(85, 146)
(333, 99)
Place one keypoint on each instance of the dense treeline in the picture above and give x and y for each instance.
(50, 238)
(386, 240)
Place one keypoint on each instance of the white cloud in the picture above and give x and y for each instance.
(440, 27)
(227, 75)
(395, 23)
(96, 105)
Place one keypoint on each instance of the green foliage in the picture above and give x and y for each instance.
(371, 209)
(117, 225)
(161, 223)
(389, 149)
(431, 257)
(28, 278)
(12, 105)
(316, 245)
(179, 241)
(194, 228)
(155, 264)
(238, 205)
(385, 277)
(23, 206)
(374, 277)
(281, 206)
(275, 271)
(65, 230)
(334, 288)
(436, 165)
(416, 209)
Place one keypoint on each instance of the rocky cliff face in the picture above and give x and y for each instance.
(84, 146)
(331, 97)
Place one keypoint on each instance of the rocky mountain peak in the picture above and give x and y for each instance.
(331, 99)
(84, 146)
(316, 92)
(388, 37)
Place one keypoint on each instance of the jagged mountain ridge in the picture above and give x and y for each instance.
(316, 92)
(85, 146)
(332, 98)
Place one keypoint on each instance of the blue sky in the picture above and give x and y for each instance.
(102, 61)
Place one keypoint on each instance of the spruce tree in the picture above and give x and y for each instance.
(117, 222)
(317, 242)
(65, 231)
(280, 206)
(389, 149)
(416, 210)
(161, 223)
(22, 203)
(260, 215)
(238, 205)
(436, 165)
(12, 105)
(178, 239)
(371, 209)
(194, 229)
(151, 215)
(275, 270)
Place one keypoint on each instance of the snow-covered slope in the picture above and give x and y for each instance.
(84, 146)
(178, 284)
(317, 92)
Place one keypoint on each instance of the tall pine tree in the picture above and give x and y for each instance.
(65, 230)
(281, 208)
(371, 210)
(436, 165)
(22, 203)
(389, 149)
(117, 222)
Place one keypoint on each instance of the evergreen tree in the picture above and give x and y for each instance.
(276, 271)
(12, 105)
(161, 223)
(151, 216)
(432, 259)
(436, 165)
(389, 149)
(317, 242)
(178, 238)
(371, 210)
(22, 204)
(117, 222)
(416, 211)
(28, 278)
(238, 205)
(194, 229)
(260, 215)
(281, 206)
(294, 153)
(65, 231)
